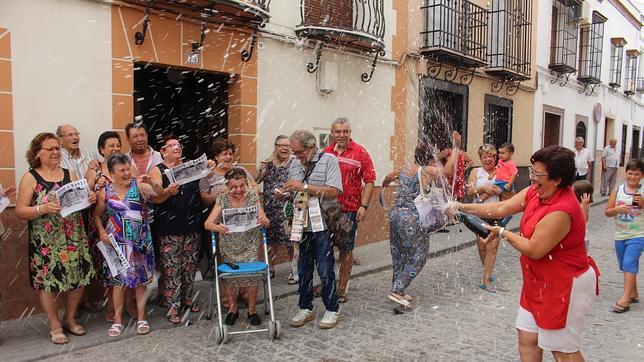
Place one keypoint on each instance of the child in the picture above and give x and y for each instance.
(584, 192)
(506, 171)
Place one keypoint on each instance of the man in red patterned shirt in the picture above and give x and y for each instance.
(357, 170)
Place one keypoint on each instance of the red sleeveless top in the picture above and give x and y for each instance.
(547, 282)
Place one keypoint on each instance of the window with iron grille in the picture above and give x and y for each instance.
(563, 42)
(497, 127)
(616, 59)
(630, 83)
(510, 38)
(590, 50)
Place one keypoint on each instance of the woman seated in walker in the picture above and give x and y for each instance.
(238, 247)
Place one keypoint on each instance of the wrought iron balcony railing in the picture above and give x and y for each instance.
(563, 42)
(590, 51)
(510, 39)
(358, 24)
(455, 32)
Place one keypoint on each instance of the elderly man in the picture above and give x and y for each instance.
(356, 168)
(610, 163)
(143, 157)
(73, 157)
(583, 159)
(316, 182)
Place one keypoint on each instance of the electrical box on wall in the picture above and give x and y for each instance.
(328, 76)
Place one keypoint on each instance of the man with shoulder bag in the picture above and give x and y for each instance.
(316, 182)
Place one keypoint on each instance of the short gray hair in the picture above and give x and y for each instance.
(115, 159)
(579, 139)
(304, 137)
(339, 121)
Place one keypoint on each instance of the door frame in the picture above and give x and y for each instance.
(556, 111)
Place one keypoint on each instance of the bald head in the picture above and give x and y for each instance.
(69, 137)
(613, 142)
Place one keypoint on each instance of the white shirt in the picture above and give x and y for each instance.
(81, 164)
(610, 156)
(581, 161)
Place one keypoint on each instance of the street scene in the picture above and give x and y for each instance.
(321, 180)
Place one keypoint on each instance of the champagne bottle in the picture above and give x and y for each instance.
(475, 224)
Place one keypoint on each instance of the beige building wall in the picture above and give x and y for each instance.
(61, 69)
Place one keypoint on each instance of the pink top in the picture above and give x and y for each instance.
(505, 170)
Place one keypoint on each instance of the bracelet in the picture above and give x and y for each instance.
(501, 231)
(38, 210)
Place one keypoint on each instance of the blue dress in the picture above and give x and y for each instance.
(409, 244)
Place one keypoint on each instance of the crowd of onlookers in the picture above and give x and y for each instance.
(310, 201)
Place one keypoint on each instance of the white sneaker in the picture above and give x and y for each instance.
(329, 320)
(302, 316)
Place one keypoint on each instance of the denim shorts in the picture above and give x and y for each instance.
(628, 254)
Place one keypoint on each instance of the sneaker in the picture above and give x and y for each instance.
(488, 287)
(302, 316)
(329, 320)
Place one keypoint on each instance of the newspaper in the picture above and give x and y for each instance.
(241, 219)
(4, 200)
(73, 197)
(189, 171)
(114, 256)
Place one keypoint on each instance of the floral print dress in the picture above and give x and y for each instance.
(275, 178)
(59, 255)
(126, 220)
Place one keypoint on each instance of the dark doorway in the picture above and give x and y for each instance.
(552, 123)
(443, 110)
(189, 104)
(635, 143)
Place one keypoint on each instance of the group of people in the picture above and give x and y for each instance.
(311, 201)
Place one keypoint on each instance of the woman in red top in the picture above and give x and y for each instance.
(559, 278)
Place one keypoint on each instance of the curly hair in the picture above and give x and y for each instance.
(235, 173)
(35, 146)
(220, 145)
(559, 162)
(424, 154)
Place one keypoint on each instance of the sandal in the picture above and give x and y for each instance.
(342, 298)
(635, 300)
(291, 280)
(488, 287)
(409, 298)
(76, 329)
(618, 308)
(142, 327)
(394, 298)
(115, 330)
(194, 308)
(317, 291)
(173, 316)
(58, 337)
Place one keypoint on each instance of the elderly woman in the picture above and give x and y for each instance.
(238, 247)
(559, 278)
(178, 219)
(273, 172)
(109, 142)
(481, 187)
(625, 204)
(59, 256)
(123, 204)
(409, 243)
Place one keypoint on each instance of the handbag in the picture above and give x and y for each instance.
(431, 215)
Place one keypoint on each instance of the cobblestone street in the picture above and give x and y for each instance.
(453, 320)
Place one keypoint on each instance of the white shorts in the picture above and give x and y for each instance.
(567, 339)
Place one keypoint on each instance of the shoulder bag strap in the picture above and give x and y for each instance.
(420, 180)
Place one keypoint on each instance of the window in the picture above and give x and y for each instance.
(623, 150)
(631, 71)
(580, 130)
(510, 36)
(635, 143)
(497, 127)
(616, 59)
(590, 50)
(563, 42)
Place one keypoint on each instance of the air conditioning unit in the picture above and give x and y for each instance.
(585, 17)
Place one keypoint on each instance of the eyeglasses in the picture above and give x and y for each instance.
(299, 153)
(70, 134)
(173, 145)
(534, 174)
(51, 149)
(282, 146)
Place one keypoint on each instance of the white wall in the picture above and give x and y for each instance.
(288, 99)
(61, 68)
(615, 105)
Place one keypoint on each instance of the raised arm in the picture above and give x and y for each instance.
(496, 210)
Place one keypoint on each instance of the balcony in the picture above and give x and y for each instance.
(358, 24)
(563, 41)
(244, 13)
(590, 52)
(455, 32)
(510, 39)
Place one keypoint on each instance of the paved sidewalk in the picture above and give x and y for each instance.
(27, 338)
